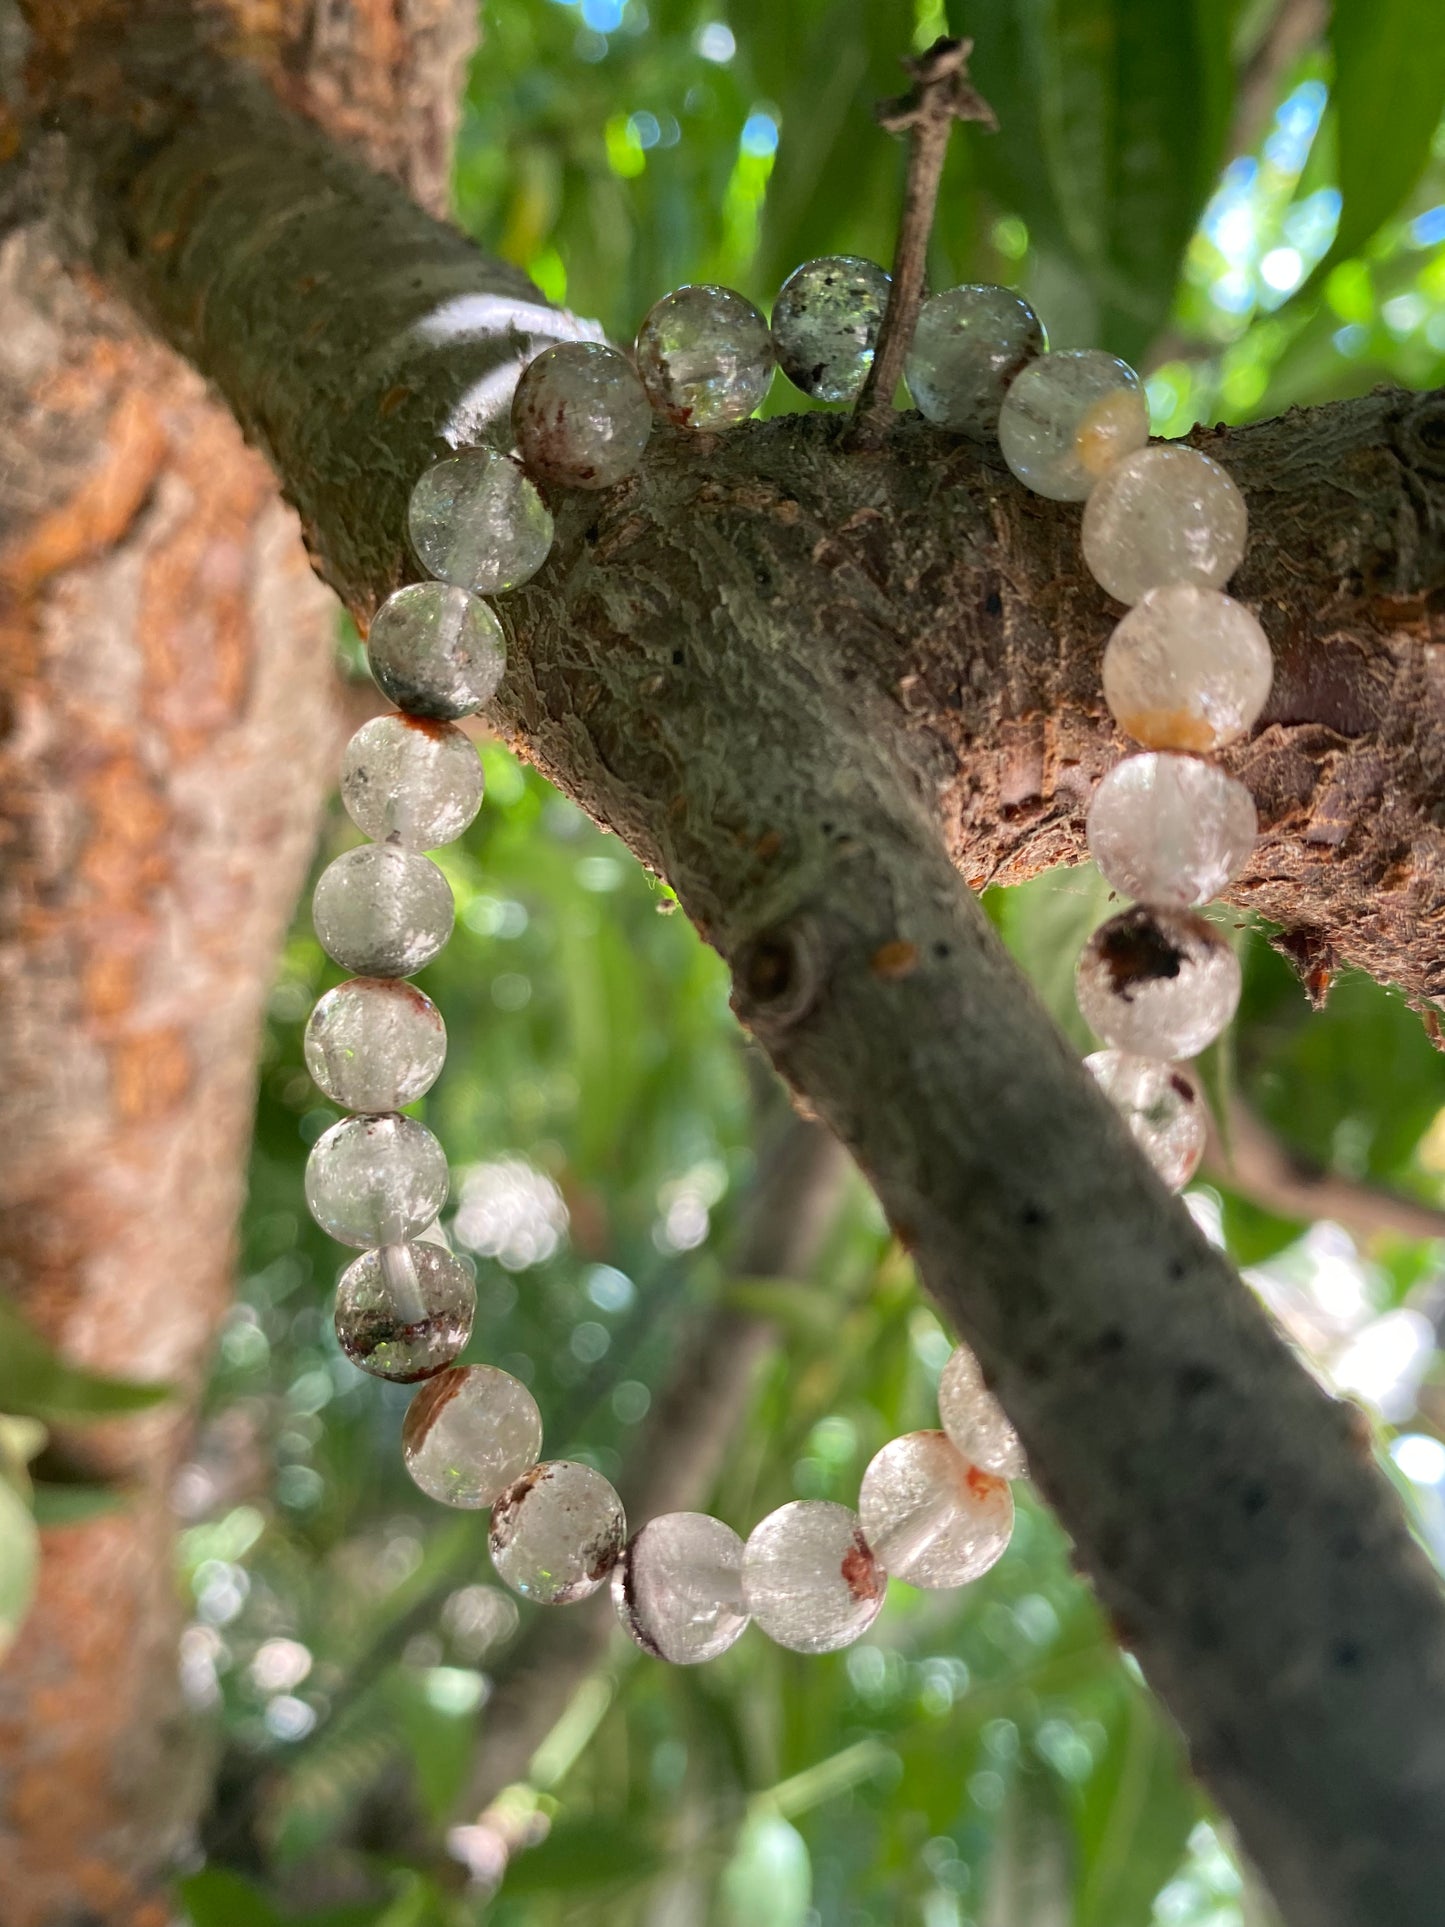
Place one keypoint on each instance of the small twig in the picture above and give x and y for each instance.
(941, 94)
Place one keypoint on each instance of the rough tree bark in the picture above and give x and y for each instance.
(811, 685)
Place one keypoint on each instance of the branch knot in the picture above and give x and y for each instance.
(941, 92)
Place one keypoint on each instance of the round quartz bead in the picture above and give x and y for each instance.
(580, 415)
(469, 1434)
(678, 1587)
(705, 357)
(478, 523)
(1161, 1105)
(1164, 515)
(375, 1180)
(1187, 668)
(974, 1419)
(933, 1518)
(410, 781)
(1069, 418)
(405, 1311)
(374, 1044)
(1162, 983)
(382, 912)
(825, 324)
(969, 345)
(1170, 829)
(809, 1578)
(557, 1532)
(436, 651)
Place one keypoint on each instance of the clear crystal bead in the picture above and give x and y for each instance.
(678, 1587)
(933, 1518)
(477, 522)
(375, 1180)
(436, 651)
(1169, 829)
(1162, 1106)
(705, 357)
(411, 781)
(1161, 983)
(557, 1532)
(974, 1419)
(581, 416)
(825, 324)
(1164, 515)
(809, 1578)
(969, 345)
(382, 912)
(374, 1044)
(405, 1310)
(1187, 668)
(469, 1434)
(1068, 418)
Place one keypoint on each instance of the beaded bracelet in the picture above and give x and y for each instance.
(1186, 672)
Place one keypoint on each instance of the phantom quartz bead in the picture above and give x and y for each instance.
(410, 781)
(1161, 1105)
(478, 523)
(705, 357)
(375, 1180)
(1161, 983)
(557, 1532)
(436, 651)
(469, 1435)
(1068, 418)
(1165, 828)
(1164, 515)
(825, 324)
(404, 1311)
(382, 912)
(932, 1518)
(974, 1419)
(374, 1044)
(970, 344)
(1187, 668)
(580, 415)
(678, 1588)
(810, 1579)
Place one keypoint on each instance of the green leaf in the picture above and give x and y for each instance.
(1046, 923)
(19, 1562)
(37, 1384)
(584, 1854)
(1388, 95)
(1134, 1819)
(217, 1898)
(60, 1504)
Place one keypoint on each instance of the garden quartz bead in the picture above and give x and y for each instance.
(810, 1579)
(1161, 1105)
(975, 1421)
(826, 321)
(1168, 829)
(1162, 983)
(469, 1434)
(678, 1588)
(1068, 418)
(410, 781)
(705, 357)
(969, 345)
(376, 1180)
(382, 912)
(476, 522)
(404, 1311)
(557, 1532)
(1164, 515)
(436, 651)
(933, 1518)
(1187, 668)
(375, 1044)
(580, 415)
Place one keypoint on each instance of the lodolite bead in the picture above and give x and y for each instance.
(705, 357)
(1068, 418)
(410, 781)
(969, 345)
(404, 1311)
(557, 1532)
(375, 1180)
(477, 522)
(678, 1587)
(374, 1044)
(1164, 515)
(1161, 1105)
(931, 1517)
(974, 1419)
(1187, 668)
(580, 415)
(1162, 983)
(436, 651)
(825, 324)
(382, 912)
(1165, 828)
(469, 1434)
(810, 1579)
